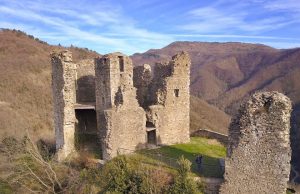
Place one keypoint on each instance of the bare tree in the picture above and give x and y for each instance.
(32, 172)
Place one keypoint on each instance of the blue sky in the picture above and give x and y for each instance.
(133, 26)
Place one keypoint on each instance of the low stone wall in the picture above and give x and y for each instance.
(211, 134)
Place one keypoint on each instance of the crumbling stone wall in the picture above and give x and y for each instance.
(167, 98)
(258, 154)
(63, 87)
(142, 78)
(120, 118)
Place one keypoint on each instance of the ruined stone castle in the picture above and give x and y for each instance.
(118, 106)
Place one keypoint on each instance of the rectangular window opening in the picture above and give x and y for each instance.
(103, 101)
(105, 60)
(121, 63)
(176, 92)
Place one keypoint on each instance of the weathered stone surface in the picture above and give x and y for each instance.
(142, 78)
(166, 98)
(258, 154)
(174, 95)
(63, 87)
(122, 122)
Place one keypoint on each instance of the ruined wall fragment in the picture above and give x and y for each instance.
(171, 100)
(258, 154)
(63, 87)
(142, 77)
(120, 118)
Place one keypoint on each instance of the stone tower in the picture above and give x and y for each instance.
(258, 154)
(166, 99)
(63, 88)
(172, 92)
(121, 120)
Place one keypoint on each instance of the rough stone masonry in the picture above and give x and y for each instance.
(132, 106)
(121, 121)
(258, 154)
(63, 89)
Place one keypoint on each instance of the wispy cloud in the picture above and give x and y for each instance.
(282, 44)
(136, 26)
(290, 5)
(217, 18)
(81, 26)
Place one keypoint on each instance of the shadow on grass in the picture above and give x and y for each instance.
(168, 156)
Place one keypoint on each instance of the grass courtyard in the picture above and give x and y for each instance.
(167, 156)
(210, 149)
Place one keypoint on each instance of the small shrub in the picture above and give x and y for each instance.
(183, 184)
(5, 188)
(290, 191)
(125, 175)
(119, 175)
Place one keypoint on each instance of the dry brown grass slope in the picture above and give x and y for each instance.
(206, 116)
(25, 84)
(281, 75)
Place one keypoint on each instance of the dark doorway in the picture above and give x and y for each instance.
(151, 137)
(151, 133)
(87, 139)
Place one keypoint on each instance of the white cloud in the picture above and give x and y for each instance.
(290, 5)
(217, 18)
(92, 28)
(106, 27)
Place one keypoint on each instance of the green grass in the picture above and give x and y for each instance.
(5, 188)
(211, 150)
